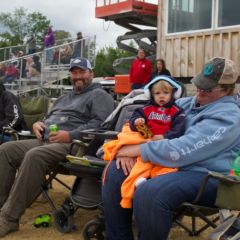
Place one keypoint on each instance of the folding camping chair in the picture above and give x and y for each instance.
(228, 197)
(34, 109)
(87, 166)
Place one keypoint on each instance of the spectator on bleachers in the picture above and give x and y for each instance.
(20, 54)
(29, 62)
(78, 46)
(2, 71)
(66, 54)
(35, 67)
(31, 42)
(11, 73)
(49, 41)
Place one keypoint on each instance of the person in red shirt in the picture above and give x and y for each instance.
(11, 73)
(140, 71)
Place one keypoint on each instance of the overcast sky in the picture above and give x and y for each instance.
(72, 16)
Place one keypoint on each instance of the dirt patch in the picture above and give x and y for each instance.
(58, 194)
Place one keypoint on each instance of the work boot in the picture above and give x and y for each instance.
(7, 226)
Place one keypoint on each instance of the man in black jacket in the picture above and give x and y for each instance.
(10, 111)
(86, 107)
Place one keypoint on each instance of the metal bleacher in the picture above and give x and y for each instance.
(51, 78)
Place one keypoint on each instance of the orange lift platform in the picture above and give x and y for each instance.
(134, 15)
(124, 12)
(138, 16)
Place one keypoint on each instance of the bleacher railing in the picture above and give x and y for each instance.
(45, 68)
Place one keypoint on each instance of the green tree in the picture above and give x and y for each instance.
(62, 36)
(19, 24)
(105, 58)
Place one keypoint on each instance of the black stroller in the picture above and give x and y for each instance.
(88, 166)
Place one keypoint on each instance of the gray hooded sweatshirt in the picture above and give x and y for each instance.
(75, 112)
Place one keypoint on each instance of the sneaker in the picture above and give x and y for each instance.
(7, 226)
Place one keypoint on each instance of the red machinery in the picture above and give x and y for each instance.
(128, 14)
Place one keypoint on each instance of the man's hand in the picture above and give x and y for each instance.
(38, 128)
(126, 163)
(60, 136)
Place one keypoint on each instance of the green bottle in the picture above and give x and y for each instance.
(53, 128)
(236, 165)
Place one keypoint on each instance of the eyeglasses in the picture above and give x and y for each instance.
(209, 90)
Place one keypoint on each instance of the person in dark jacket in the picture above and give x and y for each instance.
(78, 46)
(160, 69)
(10, 111)
(86, 107)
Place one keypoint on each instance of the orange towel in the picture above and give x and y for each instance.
(140, 169)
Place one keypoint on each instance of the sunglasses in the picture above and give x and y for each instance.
(209, 90)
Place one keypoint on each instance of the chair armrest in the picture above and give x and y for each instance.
(225, 178)
(10, 131)
(87, 160)
(220, 177)
(18, 135)
(99, 134)
(79, 143)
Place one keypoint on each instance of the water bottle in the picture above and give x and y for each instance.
(236, 165)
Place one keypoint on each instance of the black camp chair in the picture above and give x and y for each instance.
(34, 109)
(88, 167)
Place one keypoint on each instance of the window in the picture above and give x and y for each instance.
(228, 13)
(189, 15)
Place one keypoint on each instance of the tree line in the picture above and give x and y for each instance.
(17, 25)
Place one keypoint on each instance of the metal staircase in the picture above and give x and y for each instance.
(139, 17)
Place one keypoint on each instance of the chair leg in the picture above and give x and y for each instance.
(46, 195)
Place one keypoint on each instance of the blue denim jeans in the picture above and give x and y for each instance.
(153, 204)
(49, 55)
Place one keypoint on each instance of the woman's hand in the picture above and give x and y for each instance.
(126, 157)
(126, 163)
(129, 151)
